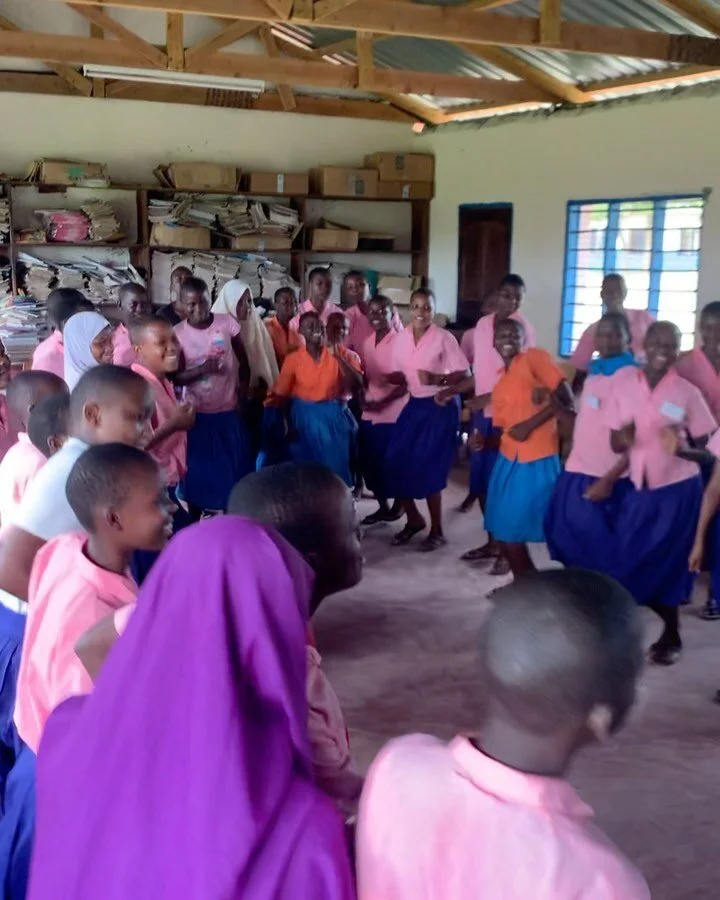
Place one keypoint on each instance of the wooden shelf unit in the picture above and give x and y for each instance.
(138, 247)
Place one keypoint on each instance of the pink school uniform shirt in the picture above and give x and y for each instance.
(214, 393)
(379, 360)
(591, 452)
(488, 366)
(437, 351)
(306, 306)
(170, 454)
(696, 368)
(467, 345)
(445, 821)
(49, 355)
(68, 594)
(8, 432)
(20, 465)
(123, 352)
(674, 402)
(361, 329)
(640, 320)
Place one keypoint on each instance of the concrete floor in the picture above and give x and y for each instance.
(399, 650)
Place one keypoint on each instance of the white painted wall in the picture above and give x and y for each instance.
(666, 147)
(132, 137)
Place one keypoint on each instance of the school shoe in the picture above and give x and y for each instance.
(432, 542)
(711, 611)
(665, 652)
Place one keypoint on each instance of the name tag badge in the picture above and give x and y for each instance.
(592, 401)
(673, 411)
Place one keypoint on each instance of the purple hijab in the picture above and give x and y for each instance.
(186, 773)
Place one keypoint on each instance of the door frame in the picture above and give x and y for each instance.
(469, 206)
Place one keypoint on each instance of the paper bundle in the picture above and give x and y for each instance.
(104, 226)
(69, 226)
(4, 220)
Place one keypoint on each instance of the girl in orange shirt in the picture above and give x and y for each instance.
(313, 382)
(525, 401)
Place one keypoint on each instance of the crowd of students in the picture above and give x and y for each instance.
(172, 733)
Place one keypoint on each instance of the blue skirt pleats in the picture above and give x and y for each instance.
(374, 440)
(655, 530)
(323, 433)
(579, 532)
(218, 456)
(273, 443)
(17, 827)
(12, 629)
(482, 461)
(422, 449)
(518, 498)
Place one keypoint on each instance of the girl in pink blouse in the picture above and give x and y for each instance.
(424, 443)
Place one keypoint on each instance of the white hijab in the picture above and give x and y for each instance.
(79, 333)
(256, 340)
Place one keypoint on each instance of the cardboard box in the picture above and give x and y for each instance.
(399, 288)
(68, 172)
(337, 181)
(340, 239)
(262, 243)
(289, 184)
(403, 166)
(406, 190)
(181, 236)
(197, 176)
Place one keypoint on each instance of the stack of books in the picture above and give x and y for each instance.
(104, 226)
(23, 324)
(97, 280)
(231, 216)
(64, 226)
(4, 220)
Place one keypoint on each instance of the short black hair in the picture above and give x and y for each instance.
(655, 326)
(25, 388)
(292, 499)
(310, 314)
(62, 303)
(193, 284)
(620, 320)
(102, 382)
(558, 643)
(355, 273)
(131, 287)
(425, 292)
(318, 270)
(616, 276)
(284, 290)
(137, 327)
(47, 420)
(513, 281)
(501, 321)
(382, 298)
(710, 309)
(102, 477)
(179, 270)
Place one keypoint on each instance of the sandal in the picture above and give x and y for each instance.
(407, 534)
(500, 567)
(664, 653)
(432, 542)
(375, 518)
(711, 611)
(480, 554)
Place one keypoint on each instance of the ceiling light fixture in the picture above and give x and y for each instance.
(179, 79)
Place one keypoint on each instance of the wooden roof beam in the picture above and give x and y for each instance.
(287, 97)
(697, 11)
(231, 33)
(365, 60)
(550, 22)
(282, 8)
(175, 41)
(147, 53)
(457, 24)
(685, 75)
(324, 8)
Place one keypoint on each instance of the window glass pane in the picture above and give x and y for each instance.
(635, 215)
(678, 281)
(634, 239)
(591, 259)
(637, 299)
(593, 216)
(632, 260)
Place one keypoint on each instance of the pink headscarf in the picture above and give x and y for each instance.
(187, 773)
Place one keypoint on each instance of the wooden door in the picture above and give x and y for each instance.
(485, 234)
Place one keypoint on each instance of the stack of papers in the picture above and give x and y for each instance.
(104, 226)
(5, 283)
(274, 218)
(97, 280)
(231, 216)
(4, 220)
(23, 324)
(70, 226)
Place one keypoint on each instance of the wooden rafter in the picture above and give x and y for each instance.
(458, 24)
(147, 53)
(75, 79)
(484, 111)
(414, 107)
(480, 5)
(282, 8)
(231, 33)
(175, 40)
(697, 11)
(287, 96)
(550, 22)
(365, 61)
(686, 75)
(323, 8)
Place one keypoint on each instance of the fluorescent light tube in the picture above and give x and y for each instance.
(181, 79)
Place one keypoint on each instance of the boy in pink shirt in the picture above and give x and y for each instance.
(135, 305)
(23, 460)
(647, 409)
(62, 303)
(493, 816)
(119, 498)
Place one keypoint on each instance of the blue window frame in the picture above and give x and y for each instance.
(653, 242)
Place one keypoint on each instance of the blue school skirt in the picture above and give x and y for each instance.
(655, 530)
(218, 456)
(518, 498)
(482, 461)
(324, 433)
(12, 629)
(374, 440)
(17, 827)
(579, 532)
(423, 448)
(273, 442)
